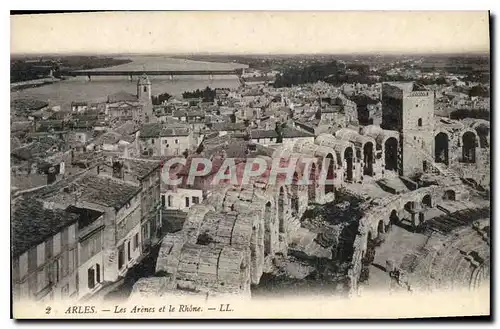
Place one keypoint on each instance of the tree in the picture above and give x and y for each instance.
(158, 100)
(279, 131)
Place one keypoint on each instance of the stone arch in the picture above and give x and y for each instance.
(329, 160)
(257, 248)
(232, 270)
(312, 183)
(295, 193)
(411, 204)
(380, 228)
(245, 274)
(391, 154)
(392, 219)
(449, 195)
(469, 141)
(427, 201)
(268, 224)
(281, 210)
(441, 148)
(409, 207)
(369, 239)
(368, 158)
(194, 221)
(349, 163)
(483, 133)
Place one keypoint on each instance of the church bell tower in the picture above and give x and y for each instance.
(144, 97)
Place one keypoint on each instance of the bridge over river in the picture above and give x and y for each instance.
(91, 73)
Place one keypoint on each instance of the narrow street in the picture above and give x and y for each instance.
(145, 268)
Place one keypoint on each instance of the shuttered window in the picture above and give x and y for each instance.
(98, 272)
(91, 278)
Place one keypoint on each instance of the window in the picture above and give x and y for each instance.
(176, 141)
(187, 201)
(145, 89)
(91, 278)
(163, 201)
(152, 141)
(98, 273)
(41, 279)
(121, 257)
(170, 201)
(136, 241)
(420, 122)
(65, 266)
(128, 251)
(424, 165)
(196, 200)
(146, 231)
(71, 260)
(55, 270)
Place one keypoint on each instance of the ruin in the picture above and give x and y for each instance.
(236, 234)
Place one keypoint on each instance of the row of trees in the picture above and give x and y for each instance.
(207, 94)
(475, 114)
(158, 100)
(333, 72)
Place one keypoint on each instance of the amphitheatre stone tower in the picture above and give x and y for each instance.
(410, 111)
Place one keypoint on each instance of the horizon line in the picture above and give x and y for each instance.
(209, 53)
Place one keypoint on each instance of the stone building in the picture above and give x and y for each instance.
(159, 139)
(97, 251)
(125, 106)
(44, 258)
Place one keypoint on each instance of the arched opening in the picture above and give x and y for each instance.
(420, 122)
(469, 147)
(483, 132)
(281, 210)
(254, 243)
(367, 260)
(330, 175)
(441, 148)
(245, 279)
(427, 201)
(369, 241)
(449, 195)
(380, 228)
(409, 206)
(295, 194)
(268, 225)
(391, 154)
(368, 159)
(312, 183)
(393, 219)
(420, 221)
(349, 159)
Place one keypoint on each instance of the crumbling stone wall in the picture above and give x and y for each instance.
(227, 241)
(479, 170)
(380, 211)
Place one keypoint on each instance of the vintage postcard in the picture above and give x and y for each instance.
(250, 165)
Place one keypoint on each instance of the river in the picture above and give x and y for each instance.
(79, 89)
